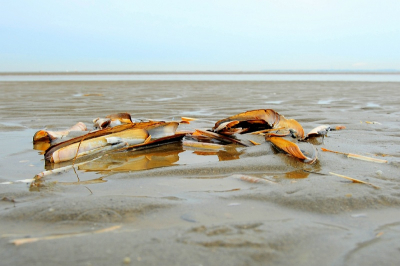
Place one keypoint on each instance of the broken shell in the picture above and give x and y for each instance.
(43, 135)
(124, 118)
(354, 180)
(187, 120)
(253, 142)
(219, 137)
(261, 132)
(158, 129)
(292, 125)
(359, 157)
(293, 149)
(373, 122)
(154, 142)
(227, 128)
(319, 131)
(280, 134)
(112, 120)
(101, 123)
(162, 129)
(253, 120)
(338, 128)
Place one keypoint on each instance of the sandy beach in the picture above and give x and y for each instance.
(176, 206)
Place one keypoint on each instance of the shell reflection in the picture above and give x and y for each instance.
(164, 156)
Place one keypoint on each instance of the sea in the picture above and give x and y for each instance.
(208, 76)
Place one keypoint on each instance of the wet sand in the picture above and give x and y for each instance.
(173, 206)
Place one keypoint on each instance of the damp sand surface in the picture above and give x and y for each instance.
(177, 206)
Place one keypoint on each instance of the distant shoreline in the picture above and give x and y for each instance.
(361, 72)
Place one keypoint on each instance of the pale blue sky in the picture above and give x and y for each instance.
(79, 35)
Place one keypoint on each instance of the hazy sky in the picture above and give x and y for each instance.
(248, 35)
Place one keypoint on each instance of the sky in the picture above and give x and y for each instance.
(188, 35)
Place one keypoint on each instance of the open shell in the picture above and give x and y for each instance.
(44, 135)
(320, 131)
(249, 121)
(112, 120)
(101, 123)
(154, 142)
(219, 137)
(291, 124)
(158, 129)
(124, 118)
(87, 136)
(107, 142)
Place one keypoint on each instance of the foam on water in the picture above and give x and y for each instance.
(274, 102)
(325, 101)
(373, 105)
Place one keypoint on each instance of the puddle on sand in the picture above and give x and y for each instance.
(163, 156)
(19, 150)
(296, 174)
(166, 155)
(94, 170)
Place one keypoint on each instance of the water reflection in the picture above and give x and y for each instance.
(166, 155)
(162, 156)
(297, 174)
(41, 146)
(40, 184)
(230, 152)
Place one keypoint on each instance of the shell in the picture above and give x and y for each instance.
(155, 143)
(251, 120)
(101, 123)
(227, 127)
(88, 136)
(187, 120)
(293, 149)
(43, 135)
(338, 128)
(319, 131)
(98, 144)
(162, 129)
(291, 124)
(124, 118)
(219, 137)
(112, 120)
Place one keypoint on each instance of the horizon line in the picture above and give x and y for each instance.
(210, 72)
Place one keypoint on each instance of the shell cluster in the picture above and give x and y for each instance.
(118, 132)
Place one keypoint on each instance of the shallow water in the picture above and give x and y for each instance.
(192, 208)
(257, 76)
